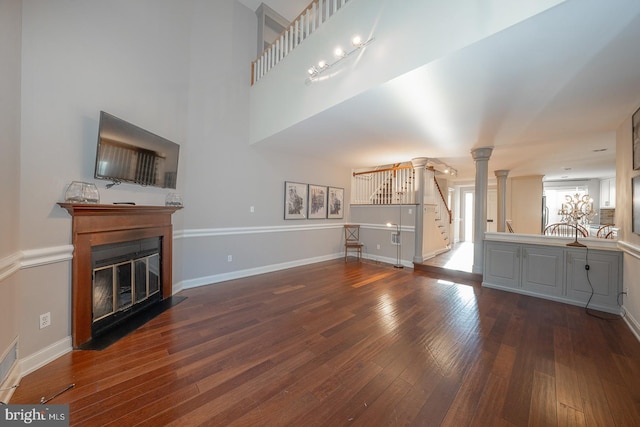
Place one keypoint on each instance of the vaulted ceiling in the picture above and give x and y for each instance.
(547, 94)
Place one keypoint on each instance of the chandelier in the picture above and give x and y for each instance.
(577, 210)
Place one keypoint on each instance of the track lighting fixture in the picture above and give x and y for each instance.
(340, 54)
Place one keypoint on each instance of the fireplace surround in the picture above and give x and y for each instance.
(93, 227)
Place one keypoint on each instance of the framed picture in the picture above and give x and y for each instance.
(636, 139)
(335, 203)
(635, 192)
(295, 200)
(317, 202)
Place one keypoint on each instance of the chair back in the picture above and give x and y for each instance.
(351, 233)
(607, 231)
(564, 229)
(509, 225)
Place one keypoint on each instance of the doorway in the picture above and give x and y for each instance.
(468, 209)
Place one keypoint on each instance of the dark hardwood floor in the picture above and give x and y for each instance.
(354, 344)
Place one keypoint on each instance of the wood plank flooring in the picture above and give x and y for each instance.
(354, 344)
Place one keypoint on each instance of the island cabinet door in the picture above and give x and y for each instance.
(602, 278)
(542, 269)
(502, 264)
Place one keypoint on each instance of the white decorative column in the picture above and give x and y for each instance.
(419, 164)
(481, 156)
(501, 176)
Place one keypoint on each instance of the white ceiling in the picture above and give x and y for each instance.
(547, 94)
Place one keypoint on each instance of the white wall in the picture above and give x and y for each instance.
(179, 69)
(282, 99)
(627, 240)
(10, 28)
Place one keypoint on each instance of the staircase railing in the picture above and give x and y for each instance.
(384, 186)
(442, 203)
(311, 18)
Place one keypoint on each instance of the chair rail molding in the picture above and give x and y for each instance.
(629, 248)
(43, 256)
(9, 265)
(230, 231)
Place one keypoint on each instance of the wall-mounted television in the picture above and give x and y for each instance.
(128, 153)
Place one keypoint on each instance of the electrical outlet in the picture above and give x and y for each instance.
(626, 292)
(229, 258)
(378, 246)
(252, 209)
(45, 320)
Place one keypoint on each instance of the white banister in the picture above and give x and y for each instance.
(384, 186)
(313, 16)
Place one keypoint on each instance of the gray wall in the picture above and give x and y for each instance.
(374, 231)
(179, 69)
(10, 22)
(628, 240)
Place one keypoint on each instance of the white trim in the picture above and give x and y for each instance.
(44, 256)
(42, 357)
(231, 231)
(239, 274)
(633, 324)
(630, 249)
(385, 227)
(8, 349)
(387, 260)
(12, 379)
(9, 265)
(592, 306)
(234, 231)
(432, 254)
(539, 239)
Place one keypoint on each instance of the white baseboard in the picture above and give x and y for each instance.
(223, 277)
(7, 385)
(386, 260)
(44, 356)
(239, 274)
(23, 367)
(569, 301)
(633, 324)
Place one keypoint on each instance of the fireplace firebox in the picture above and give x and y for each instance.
(125, 280)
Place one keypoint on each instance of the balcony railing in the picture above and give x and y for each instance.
(384, 186)
(311, 18)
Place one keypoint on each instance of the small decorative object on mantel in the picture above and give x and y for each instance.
(577, 210)
(82, 192)
(173, 199)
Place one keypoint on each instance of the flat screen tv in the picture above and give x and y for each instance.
(128, 153)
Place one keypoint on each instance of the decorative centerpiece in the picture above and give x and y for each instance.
(82, 192)
(577, 210)
(173, 199)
